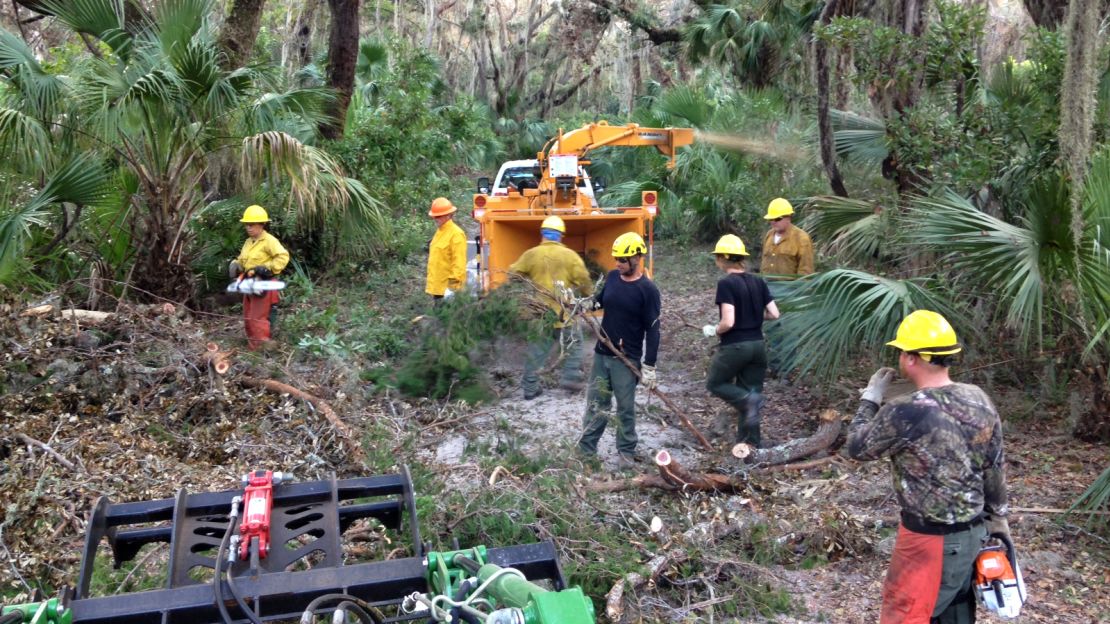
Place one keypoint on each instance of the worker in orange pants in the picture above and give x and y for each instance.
(262, 257)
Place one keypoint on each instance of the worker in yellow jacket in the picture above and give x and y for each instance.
(262, 257)
(787, 249)
(561, 274)
(446, 254)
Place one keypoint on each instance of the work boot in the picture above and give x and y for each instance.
(531, 394)
(573, 385)
(626, 461)
(747, 429)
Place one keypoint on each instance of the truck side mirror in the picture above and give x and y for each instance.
(599, 185)
(483, 186)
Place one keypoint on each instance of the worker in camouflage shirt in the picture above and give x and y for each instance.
(945, 446)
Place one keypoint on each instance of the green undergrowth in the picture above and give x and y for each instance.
(454, 344)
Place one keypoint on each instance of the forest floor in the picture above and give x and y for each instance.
(129, 410)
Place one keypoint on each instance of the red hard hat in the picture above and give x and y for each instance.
(441, 206)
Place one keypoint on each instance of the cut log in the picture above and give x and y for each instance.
(827, 431)
(216, 361)
(675, 474)
(344, 431)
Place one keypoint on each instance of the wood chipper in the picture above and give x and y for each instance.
(510, 211)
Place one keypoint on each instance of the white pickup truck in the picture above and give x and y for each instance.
(522, 174)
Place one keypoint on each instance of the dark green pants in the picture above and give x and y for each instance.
(956, 599)
(609, 379)
(737, 370)
(570, 339)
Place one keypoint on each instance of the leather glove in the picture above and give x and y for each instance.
(880, 381)
(997, 525)
(709, 331)
(263, 273)
(234, 270)
(648, 377)
(448, 293)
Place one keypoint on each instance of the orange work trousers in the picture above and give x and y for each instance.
(910, 588)
(256, 317)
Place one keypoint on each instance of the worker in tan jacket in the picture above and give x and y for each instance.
(787, 249)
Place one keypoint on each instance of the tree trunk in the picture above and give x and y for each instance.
(824, 127)
(342, 58)
(240, 30)
(1047, 13)
(302, 33)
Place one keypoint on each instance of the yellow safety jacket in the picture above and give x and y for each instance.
(551, 262)
(793, 255)
(265, 251)
(446, 260)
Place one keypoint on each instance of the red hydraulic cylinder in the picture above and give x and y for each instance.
(258, 502)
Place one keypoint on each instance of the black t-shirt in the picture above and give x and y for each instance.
(749, 295)
(631, 315)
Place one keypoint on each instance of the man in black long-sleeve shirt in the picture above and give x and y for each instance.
(632, 306)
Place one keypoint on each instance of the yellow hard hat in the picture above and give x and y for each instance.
(554, 223)
(629, 244)
(441, 206)
(926, 332)
(731, 245)
(778, 207)
(255, 214)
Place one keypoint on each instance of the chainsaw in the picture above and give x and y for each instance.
(254, 286)
(999, 586)
(273, 551)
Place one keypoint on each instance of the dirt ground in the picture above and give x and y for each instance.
(127, 405)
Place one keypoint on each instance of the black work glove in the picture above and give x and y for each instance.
(997, 525)
(263, 273)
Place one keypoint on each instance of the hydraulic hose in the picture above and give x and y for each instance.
(362, 615)
(11, 617)
(217, 585)
(370, 610)
(238, 597)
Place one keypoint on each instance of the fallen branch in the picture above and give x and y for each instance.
(36, 311)
(827, 431)
(806, 465)
(632, 483)
(341, 427)
(592, 323)
(698, 536)
(1057, 510)
(29, 441)
(91, 317)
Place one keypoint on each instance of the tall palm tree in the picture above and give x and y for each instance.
(158, 105)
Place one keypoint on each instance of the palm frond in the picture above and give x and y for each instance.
(831, 317)
(40, 90)
(178, 21)
(853, 230)
(16, 221)
(859, 140)
(102, 19)
(1004, 258)
(24, 139)
(1095, 500)
(686, 103)
(314, 179)
(304, 104)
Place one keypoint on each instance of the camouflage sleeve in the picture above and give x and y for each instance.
(874, 432)
(994, 477)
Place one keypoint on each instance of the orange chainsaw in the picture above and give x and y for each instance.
(999, 586)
